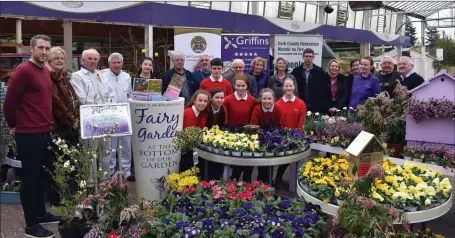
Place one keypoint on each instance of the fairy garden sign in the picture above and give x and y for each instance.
(431, 112)
(363, 153)
(155, 125)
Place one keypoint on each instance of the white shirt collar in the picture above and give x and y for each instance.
(85, 71)
(409, 74)
(196, 112)
(286, 100)
(268, 110)
(213, 79)
(216, 111)
(238, 97)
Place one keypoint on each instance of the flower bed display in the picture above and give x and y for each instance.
(409, 187)
(266, 142)
(337, 131)
(431, 153)
(229, 209)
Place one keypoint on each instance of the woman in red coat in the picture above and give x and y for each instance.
(266, 114)
(194, 116)
(293, 112)
(217, 116)
(239, 106)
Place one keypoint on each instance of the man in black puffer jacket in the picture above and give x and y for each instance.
(313, 85)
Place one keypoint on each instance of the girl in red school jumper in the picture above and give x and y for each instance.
(266, 114)
(293, 112)
(217, 116)
(239, 106)
(195, 115)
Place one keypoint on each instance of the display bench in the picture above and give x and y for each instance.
(292, 159)
(412, 217)
(449, 172)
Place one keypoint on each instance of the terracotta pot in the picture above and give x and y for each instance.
(397, 150)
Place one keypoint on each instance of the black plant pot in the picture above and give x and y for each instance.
(83, 228)
(68, 230)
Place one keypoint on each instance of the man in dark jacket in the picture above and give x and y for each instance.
(313, 84)
(238, 67)
(189, 86)
(387, 76)
(409, 77)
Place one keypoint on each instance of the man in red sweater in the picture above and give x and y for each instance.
(28, 112)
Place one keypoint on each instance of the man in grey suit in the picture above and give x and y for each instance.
(239, 66)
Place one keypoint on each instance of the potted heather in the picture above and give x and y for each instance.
(361, 216)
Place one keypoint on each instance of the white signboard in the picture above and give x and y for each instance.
(440, 54)
(102, 120)
(193, 42)
(155, 125)
(291, 47)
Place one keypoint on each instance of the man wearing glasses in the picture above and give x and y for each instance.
(203, 70)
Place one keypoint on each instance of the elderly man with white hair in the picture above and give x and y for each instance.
(120, 81)
(87, 82)
(189, 85)
(239, 67)
(409, 77)
(91, 88)
(203, 71)
(387, 75)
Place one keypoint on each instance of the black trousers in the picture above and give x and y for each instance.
(186, 162)
(263, 174)
(247, 172)
(281, 170)
(215, 171)
(36, 158)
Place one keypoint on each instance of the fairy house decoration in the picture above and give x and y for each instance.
(363, 153)
(432, 128)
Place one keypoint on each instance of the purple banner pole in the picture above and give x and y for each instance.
(245, 47)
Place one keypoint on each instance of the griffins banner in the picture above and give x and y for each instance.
(195, 41)
(155, 124)
(245, 47)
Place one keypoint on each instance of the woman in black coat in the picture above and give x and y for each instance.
(338, 87)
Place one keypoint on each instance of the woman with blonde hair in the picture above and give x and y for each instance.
(258, 66)
(276, 81)
(338, 87)
(65, 107)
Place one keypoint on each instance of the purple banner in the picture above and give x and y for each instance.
(245, 47)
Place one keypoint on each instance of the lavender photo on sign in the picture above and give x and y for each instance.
(107, 128)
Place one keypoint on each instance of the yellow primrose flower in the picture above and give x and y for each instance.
(427, 202)
(378, 196)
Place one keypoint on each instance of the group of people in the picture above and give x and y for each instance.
(237, 99)
(43, 99)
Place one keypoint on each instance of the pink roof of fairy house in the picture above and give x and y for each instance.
(433, 130)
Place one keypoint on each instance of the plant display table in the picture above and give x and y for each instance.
(336, 150)
(412, 217)
(292, 159)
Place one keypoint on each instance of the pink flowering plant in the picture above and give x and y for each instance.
(361, 216)
(120, 216)
(421, 110)
(234, 209)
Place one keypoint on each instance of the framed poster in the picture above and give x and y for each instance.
(103, 120)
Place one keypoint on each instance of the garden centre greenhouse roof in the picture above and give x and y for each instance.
(420, 10)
